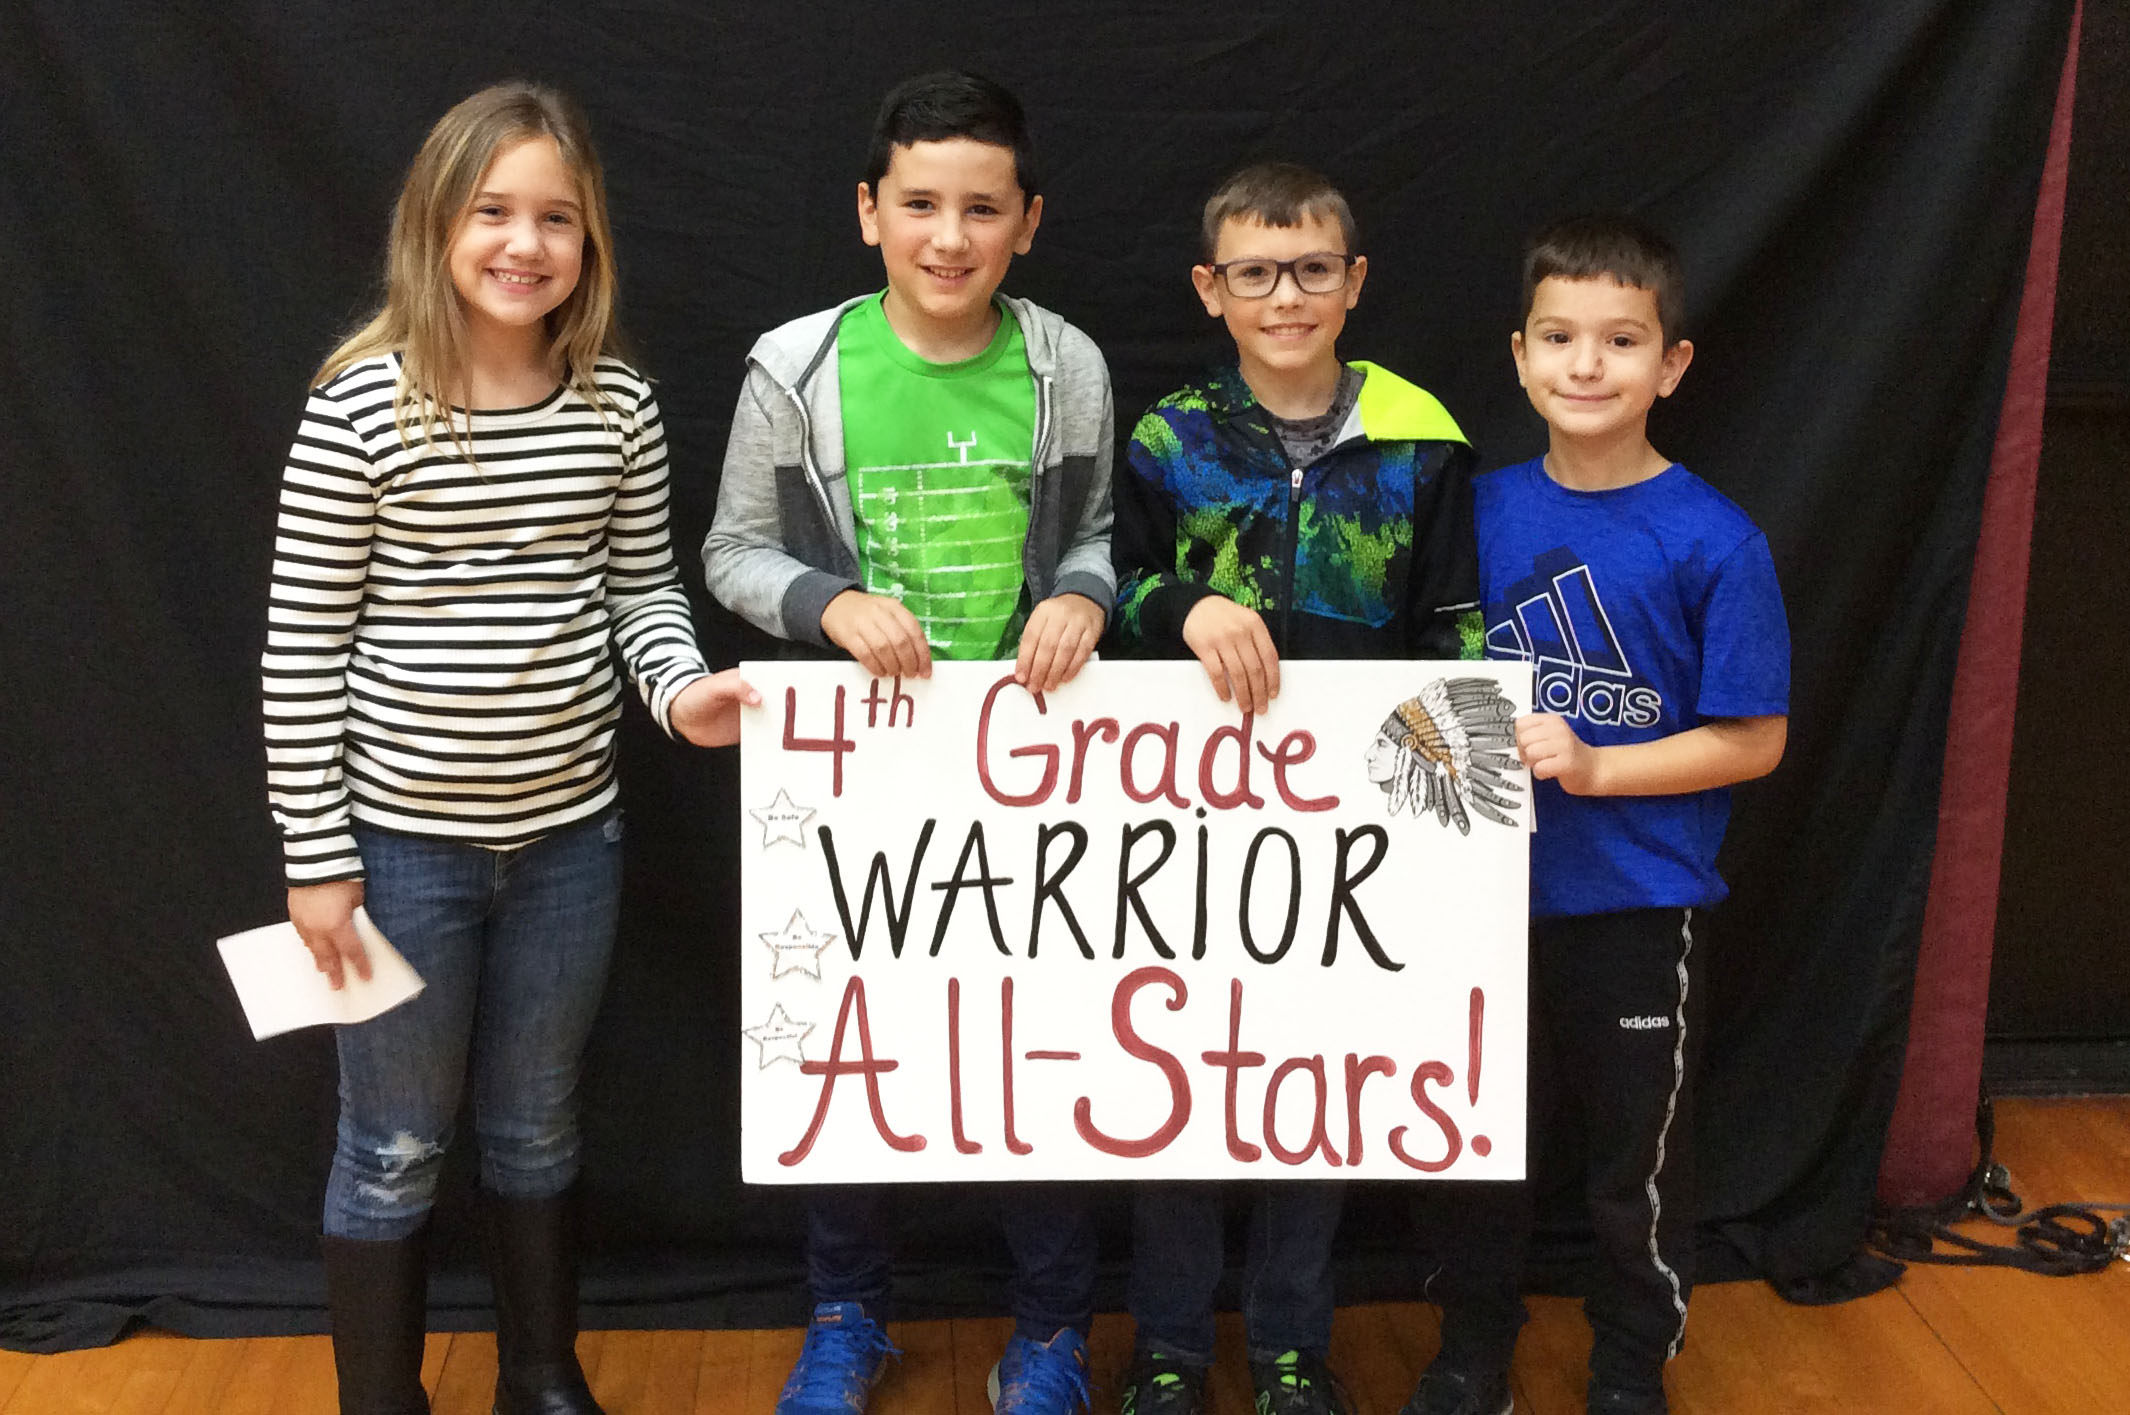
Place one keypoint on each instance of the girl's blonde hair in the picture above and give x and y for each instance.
(421, 318)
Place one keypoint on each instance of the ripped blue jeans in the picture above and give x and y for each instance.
(513, 946)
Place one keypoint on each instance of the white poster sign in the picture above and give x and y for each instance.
(1124, 930)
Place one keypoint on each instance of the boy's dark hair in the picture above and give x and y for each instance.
(951, 103)
(1610, 245)
(1275, 194)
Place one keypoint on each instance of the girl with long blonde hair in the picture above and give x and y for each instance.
(473, 512)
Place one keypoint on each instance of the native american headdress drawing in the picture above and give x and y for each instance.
(1450, 750)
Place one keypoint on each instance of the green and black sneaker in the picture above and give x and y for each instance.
(1298, 1383)
(1161, 1385)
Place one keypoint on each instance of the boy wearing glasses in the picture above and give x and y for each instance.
(1286, 504)
(925, 471)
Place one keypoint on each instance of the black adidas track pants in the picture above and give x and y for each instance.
(1614, 1045)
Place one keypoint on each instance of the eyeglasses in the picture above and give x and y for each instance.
(1254, 277)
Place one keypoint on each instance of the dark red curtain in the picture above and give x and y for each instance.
(1930, 1146)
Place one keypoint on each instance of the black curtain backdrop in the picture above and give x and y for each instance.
(193, 199)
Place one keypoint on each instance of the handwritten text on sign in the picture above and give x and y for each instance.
(1127, 930)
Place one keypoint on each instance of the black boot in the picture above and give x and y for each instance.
(532, 1259)
(376, 1292)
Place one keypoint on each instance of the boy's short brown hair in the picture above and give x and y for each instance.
(1614, 246)
(1275, 194)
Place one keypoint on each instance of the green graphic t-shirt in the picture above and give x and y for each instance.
(939, 458)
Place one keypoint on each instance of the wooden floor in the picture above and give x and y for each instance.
(1947, 1341)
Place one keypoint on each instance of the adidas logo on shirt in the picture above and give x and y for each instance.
(1644, 1024)
(1557, 623)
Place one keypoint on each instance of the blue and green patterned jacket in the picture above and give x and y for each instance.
(1365, 552)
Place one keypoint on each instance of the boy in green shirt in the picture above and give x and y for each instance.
(927, 471)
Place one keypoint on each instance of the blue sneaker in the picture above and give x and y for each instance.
(843, 1358)
(1041, 1377)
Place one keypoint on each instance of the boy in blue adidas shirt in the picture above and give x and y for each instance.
(1647, 603)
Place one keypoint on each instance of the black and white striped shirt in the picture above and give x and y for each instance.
(436, 656)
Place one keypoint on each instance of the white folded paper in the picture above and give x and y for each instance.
(282, 989)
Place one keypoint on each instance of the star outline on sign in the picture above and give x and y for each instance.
(782, 819)
(780, 1038)
(796, 948)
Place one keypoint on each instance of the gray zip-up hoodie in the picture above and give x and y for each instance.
(784, 543)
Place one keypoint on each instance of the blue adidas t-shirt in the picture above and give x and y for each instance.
(1647, 610)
